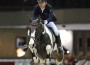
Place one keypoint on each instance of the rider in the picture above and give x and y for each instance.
(44, 10)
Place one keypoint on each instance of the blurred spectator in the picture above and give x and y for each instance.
(66, 62)
(71, 60)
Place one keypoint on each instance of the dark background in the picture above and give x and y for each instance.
(12, 5)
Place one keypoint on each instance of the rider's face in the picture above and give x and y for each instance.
(42, 4)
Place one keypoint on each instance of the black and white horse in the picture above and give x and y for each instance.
(42, 45)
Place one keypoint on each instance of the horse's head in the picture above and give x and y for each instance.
(38, 23)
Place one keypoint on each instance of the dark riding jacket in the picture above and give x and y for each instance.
(47, 14)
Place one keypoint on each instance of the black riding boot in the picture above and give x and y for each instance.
(58, 41)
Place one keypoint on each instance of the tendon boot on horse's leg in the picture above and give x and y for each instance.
(58, 41)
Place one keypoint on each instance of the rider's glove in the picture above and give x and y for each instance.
(45, 22)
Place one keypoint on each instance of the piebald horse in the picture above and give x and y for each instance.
(42, 45)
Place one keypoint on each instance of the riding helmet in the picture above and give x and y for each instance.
(41, 0)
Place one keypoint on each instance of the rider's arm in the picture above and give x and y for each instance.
(51, 16)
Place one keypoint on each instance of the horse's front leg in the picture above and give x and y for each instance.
(49, 50)
(35, 59)
(33, 52)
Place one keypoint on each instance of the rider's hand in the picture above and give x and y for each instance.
(45, 22)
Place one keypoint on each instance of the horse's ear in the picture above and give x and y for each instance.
(30, 19)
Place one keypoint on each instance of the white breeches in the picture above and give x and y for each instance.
(53, 26)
